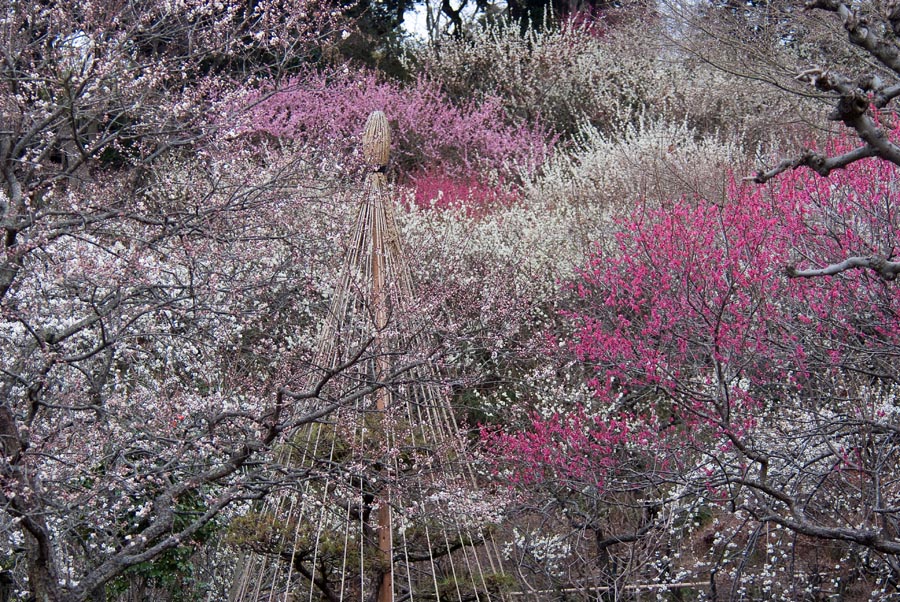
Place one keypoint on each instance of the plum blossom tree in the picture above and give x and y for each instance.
(159, 282)
(148, 357)
(767, 398)
(432, 134)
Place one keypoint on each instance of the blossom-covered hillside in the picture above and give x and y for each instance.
(652, 250)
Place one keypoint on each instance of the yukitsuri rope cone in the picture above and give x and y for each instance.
(387, 509)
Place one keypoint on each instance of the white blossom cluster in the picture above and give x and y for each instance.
(579, 73)
(548, 549)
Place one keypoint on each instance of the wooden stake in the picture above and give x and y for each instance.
(376, 147)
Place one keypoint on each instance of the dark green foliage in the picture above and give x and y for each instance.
(175, 570)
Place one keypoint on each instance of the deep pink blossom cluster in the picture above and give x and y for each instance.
(571, 448)
(439, 190)
(328, 109)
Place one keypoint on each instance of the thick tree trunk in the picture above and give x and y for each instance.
(6, 586)
(42, 576)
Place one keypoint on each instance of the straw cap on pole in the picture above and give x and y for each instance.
(376, 140)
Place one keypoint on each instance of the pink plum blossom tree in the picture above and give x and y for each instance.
(718, 375)
(431, 134)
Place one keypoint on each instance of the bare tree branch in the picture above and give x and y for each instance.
(818, 162)
(884, 268)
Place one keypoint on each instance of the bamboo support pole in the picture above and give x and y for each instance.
(376, 150)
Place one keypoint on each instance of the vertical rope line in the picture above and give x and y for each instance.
(431, 409)
(429, 424)
(362, 524)
(449, 422)
(390, 559)
(409, 433)
(452, 566)
(264, 563)
(356, 442)
(465, 554)
(313, 436)
(452, 426)
(434, 571)
(409, 577)
(322, 525)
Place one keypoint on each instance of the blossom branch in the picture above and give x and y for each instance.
(818, 162)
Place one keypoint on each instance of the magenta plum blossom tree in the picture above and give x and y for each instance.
(433, 137)
(731, 381)
(591, 484)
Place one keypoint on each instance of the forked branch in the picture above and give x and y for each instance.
(883, 267)
(856, 97)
